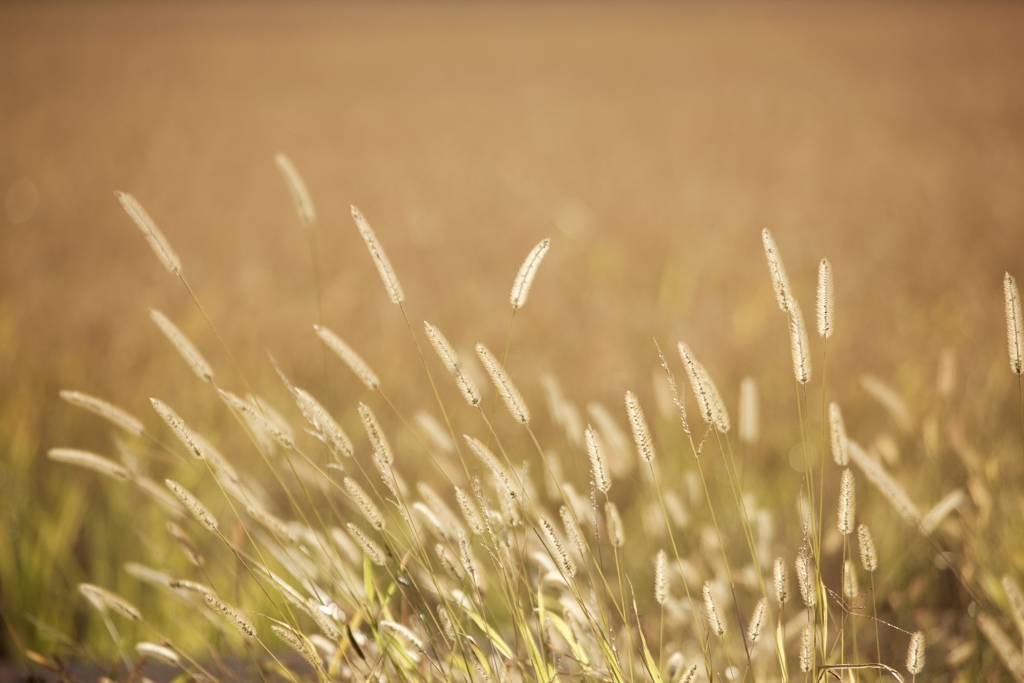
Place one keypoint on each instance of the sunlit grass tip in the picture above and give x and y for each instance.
(89, 461)
(161, 247)
(1014, 324)
(915, 653)
(183, 345)
(446, 352)
(826, 299)
(714, 618)
(598, 466)
(298, 190)
(506, 389)
(108, 411)
(799, 344)
(102, 599)
(524, 278)
(192, 504)
(780, 282)
(380, 259)
(353, 360)
(638, 425)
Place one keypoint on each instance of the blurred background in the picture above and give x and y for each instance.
(650, 141)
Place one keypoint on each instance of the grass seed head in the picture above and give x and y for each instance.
(161, 247)
(527, 271)
(188, 351)
(715, 621)
(638, 425)
(446, 352)
(298, 190)
(915, 653)
(506, 389)
(757, 620)
(780, 575)
(1014, 324)
(380, 259)
(847, 502)
(108, 411)
(353, 360)
(780, 282)
(868, 554)
(826, 299)
(90, 461)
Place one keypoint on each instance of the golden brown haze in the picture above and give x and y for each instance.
(650, 141)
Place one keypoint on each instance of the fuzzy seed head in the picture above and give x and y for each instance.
(851, 587)
(298, 190)
(192, 504)
(158, 652)
(446, 352)
(847, 502)
(915, 653)
(674, 389)
(371, 513)
(661, 577)
(805, 578)
(470, 512)
(108, 411)
(245, 628)
(378, 441)
(749, 414)
(352, 359)
(466, 556)
(715, 621)
(868, 554)
(369, 546)
(325, 428)
(638, 425)
(506, 389)
(181, 343)
(573, 533)
(781, 578)
(674, 667)
(837, 429)
(527, 271)
(799, 344)
(102, 599)
(780, 282)
(157, 242)
(492, 463)
(826, 299)
(709, 400)
(1014, 324)
(757, 620)
(807, 648)
(598, 466)
(402, 632)
(300, 643)
(886, 485)
(90, 461)
(380, 259)
(557, 550)
(616, 531)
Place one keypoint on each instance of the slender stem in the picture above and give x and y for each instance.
(1020, 400)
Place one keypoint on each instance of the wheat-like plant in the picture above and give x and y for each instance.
(523, 562)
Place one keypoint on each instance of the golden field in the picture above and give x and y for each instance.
(651, 142)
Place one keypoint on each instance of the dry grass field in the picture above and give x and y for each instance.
(650, 141)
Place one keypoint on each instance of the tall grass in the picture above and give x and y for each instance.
(468, 544)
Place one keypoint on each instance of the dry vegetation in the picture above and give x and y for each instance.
(312, 523)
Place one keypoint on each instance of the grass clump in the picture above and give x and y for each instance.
(475, 551)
